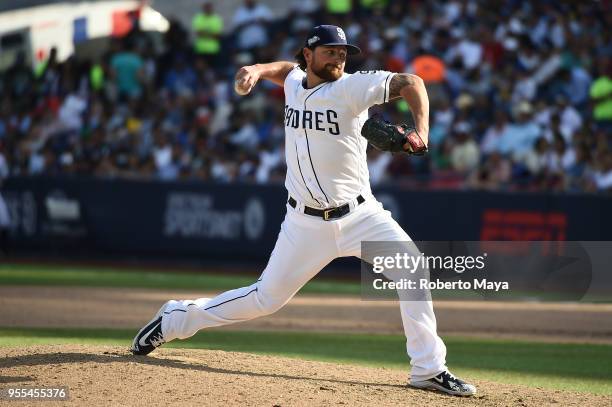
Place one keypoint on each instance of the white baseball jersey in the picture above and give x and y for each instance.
(325, 152)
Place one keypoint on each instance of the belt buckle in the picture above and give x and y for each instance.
(326, 214)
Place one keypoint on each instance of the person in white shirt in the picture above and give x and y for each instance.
(248, 23)
(603, 176)
(491, 138)
(331, 209)
(465, 154)
(562, 157)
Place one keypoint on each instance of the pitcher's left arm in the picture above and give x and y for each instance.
(412, 89)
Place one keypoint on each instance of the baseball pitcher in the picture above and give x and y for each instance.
(330, 206)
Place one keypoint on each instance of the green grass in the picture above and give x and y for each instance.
(577, 367)
(25, 274)
(73, 276)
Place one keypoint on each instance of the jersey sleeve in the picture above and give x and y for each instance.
(294, 75)
(364, 89)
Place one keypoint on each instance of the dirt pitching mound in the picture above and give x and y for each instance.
(103, 376)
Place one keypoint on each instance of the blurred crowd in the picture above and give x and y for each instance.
(521, 96)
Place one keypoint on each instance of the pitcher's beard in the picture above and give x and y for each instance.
(327, 73)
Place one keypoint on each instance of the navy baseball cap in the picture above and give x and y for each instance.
(329, 35)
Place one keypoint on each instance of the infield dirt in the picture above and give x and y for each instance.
(87, 307)
(108, 376)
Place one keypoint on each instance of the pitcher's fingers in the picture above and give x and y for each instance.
(241, 75)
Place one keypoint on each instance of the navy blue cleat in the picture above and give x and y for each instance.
(150, 336)
(447, 383)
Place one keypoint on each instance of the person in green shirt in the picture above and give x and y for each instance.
(339, 7)
(601, 94)
(208, 27)
(96, 77)
(370, 5)
(127, 71)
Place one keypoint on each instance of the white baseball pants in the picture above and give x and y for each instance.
(305, 245)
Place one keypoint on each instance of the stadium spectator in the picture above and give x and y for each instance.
(464, 154)
(561, 158)
(495, 173)
(207, 27)
(580, 173)
(603, 174)
(304, 8)
(19, 81)
(537, 159)
(250, 25)
(601, 94)
(181, 79)
(521, 135)
(127, 71)
(339, 7)
(491, 138)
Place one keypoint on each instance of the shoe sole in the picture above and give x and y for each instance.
(159, 313)
(434, 386)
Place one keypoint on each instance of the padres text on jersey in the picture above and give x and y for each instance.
(326, 155)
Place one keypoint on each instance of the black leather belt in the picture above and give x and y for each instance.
(327, 214)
